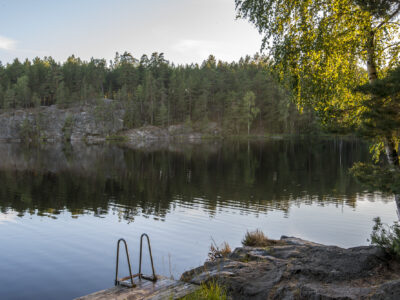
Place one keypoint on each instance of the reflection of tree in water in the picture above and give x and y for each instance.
(255, 178)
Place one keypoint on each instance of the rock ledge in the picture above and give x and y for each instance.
(299, 269)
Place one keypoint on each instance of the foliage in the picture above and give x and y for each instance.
(104, 114)
(241, 95)
(208, 291)
(29, 131)
(250, 109)
(386, 237)
(323, 50)
(318, 45)
(381, 118)
(376, 177)
(257, 239)
(22, 91)
(218, 251)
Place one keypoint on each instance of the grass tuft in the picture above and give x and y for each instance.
(208, 291)
(258, 239)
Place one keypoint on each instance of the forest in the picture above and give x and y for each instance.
(242, 97)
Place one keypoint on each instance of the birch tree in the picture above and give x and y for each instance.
(325, 48)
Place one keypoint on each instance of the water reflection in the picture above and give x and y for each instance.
(251, 177)
(63, 207)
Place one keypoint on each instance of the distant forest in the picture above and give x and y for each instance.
(240, 96)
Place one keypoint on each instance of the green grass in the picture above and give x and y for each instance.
(209, 291)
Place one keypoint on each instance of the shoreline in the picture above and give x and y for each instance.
(294, 268)
(289, 268)
(51, 124)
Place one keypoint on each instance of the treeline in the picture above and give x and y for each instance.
(240, 96)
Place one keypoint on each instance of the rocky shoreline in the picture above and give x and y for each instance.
(299, 269)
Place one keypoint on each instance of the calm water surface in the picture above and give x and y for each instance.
(63, 207)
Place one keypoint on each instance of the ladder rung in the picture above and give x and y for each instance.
(129, 277)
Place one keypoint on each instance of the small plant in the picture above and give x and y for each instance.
(258, 239)
(386, 237)
(29, 132)
(67, 128)
(208, 291)
(218, 252)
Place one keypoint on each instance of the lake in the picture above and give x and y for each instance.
(63, 207)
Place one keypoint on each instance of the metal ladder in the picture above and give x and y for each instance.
(140, 275)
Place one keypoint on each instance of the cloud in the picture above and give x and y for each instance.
(197, 48)
(6, 43)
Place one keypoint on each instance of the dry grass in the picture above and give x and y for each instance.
(218, 251)
(258, 239)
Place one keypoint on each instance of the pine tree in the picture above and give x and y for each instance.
(10, 98)
(162, 115)
(249, 109)
(380, 121)
(62, 95)
(22, 91)
(1, 97)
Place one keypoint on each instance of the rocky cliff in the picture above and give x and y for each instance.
(52, 123)
(91, 123)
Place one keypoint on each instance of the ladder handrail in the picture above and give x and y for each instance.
(154, 277)
(117, 282)
(120, 281)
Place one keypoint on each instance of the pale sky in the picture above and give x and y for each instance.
(185, 30)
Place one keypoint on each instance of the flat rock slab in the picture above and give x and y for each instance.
(163, 288)
(298, 269)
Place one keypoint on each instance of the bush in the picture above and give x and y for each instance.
(386, 237)
(209, 291)
(258, 239)
(29, 132)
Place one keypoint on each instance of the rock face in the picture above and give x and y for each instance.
(52, 123)
(92, 123)
(173, 132)
(299, 269)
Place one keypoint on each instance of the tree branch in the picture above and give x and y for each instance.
(388, 19)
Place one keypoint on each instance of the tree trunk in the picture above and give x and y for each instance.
(391, 153)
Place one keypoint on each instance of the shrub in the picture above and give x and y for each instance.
(258, 239)
(386, 237)
(29, 132)
(208, 291)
